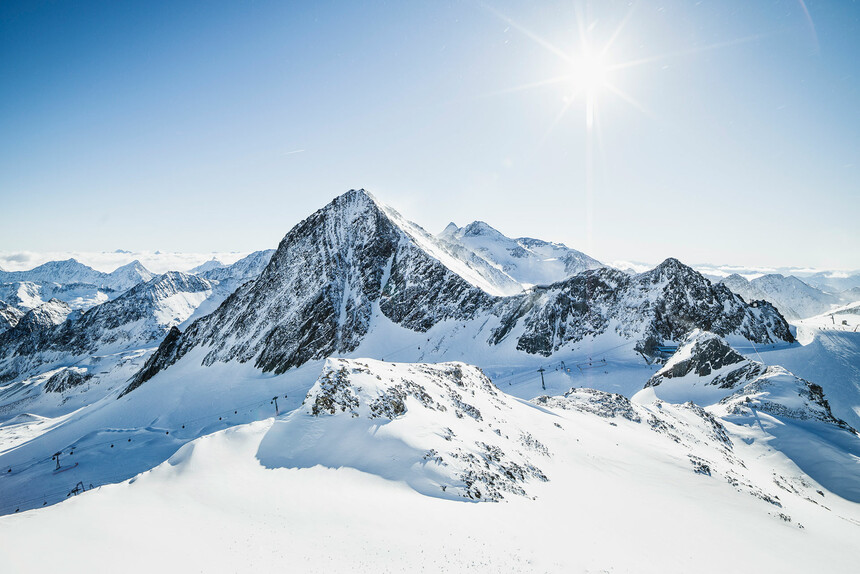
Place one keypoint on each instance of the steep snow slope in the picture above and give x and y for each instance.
(794, 298)
(619, 474)
(477, 271)
(527, 261)
(345, 274)
(792, 414)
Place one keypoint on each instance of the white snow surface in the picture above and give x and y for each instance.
(526, 261)
(628, 484)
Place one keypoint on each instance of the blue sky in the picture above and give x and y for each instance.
(216, 126)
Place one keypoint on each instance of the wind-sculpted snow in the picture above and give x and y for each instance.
(354, 259)
(443, 429)
(142, 316)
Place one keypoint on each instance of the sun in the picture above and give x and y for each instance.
(588, 72)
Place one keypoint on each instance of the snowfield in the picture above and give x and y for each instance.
(345, 483)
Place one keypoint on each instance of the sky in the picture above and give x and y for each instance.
(722, 132)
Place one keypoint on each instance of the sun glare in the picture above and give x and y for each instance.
(588, 72)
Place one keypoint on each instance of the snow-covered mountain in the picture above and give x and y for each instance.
(9, 315)
(527, 261)
(794, 298)
(124, 278)
(354, 270)
(45, 316)
(210, 265)
(248, 267)
(140, 317)
(78, 285)
(29, 295)
(63, 272)
(834, 283)
(273, 386)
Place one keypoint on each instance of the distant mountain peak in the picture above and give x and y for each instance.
(480, 229)
(450, 230)
(213, 263)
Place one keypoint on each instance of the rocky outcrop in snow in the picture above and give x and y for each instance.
(663, 304)
(707, 370)
(44, 317)
(9, 316)
(444, 429)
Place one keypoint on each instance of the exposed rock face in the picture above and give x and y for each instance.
(44, 317)
(9, 316)
(317, 295)
(701, 354)
(66, 379)
(710, 360)
(663, 304)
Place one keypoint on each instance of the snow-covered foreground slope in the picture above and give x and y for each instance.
(352, 480)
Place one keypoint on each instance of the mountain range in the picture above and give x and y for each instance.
(369, 357)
